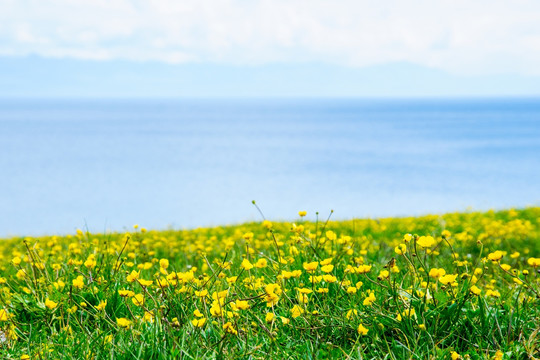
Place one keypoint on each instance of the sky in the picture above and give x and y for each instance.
(269, 48)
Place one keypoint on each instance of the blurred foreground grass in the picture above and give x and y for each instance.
(453, 286)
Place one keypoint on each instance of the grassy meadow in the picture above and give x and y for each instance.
(453, 286)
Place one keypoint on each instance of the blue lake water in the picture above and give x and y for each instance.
(109, 164)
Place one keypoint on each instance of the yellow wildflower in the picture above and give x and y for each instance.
(198, 322)
(362, 330)
(296, 311)
(123, 322)
(310, 267)
(78, 282)
(425, 241)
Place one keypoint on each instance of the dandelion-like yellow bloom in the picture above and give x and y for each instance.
(400, 249)
(261, 263)
(302, 213)
(164, 263)
(369, 300)
(138, 300)
(145, 282)
(246, 265)
(134, 275)
(228, 327)
(101, 306)
(426, 241)
(123, 322)
(241, 304)
(383, 275)
(351, 313)
(495, 256)
(363, 269)
(475, 290)
(327, 268)
(126, 293)
(199, 322)
(534, 262)
(311, 267)
(78, 282)
(362, 330)
(4, 315)
(436, 273)
(448, 279)
(296, 311)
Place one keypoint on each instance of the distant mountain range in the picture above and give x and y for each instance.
(34, 76)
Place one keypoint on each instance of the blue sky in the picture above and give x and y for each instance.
(126, 48)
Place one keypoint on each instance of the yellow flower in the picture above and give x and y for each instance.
(407, 238)
(25, 357)
(123, 322)
(267, 224)
(246, 265)
(198, 322)
(78, 282)
(362, 330)
(126, 293)
(448, 279)
(138, 300)
(3, 315)
(229, 328)
(50, 304)
(454, 355)
(164, 263)
(241, 304)
(16, 261)
(197, 313)
(310, 267)
(329, 278)
(296, 311)
(134, 275)
(215, 309)
(363, 269)
(495, 256)
(426, 241)
(201, 293)
(327, 268)
(505, 267)
(269, 317)
(145, 282)
(261, 263)
(351, 313)
(90, 262)
(493, 293)
(534, 262)
(369, 300)
(101, 306)
(475, 290)
(400, 249)
(383, 275)
(302, 213)
(330, 235)
(437, 273)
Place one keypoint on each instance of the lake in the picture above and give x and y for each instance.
(108, 164)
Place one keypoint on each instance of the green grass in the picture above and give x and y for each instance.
(490, 311)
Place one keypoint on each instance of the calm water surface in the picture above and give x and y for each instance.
(108, 164)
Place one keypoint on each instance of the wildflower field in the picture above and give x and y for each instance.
(454, 286)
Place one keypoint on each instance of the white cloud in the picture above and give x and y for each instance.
(461, 36)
